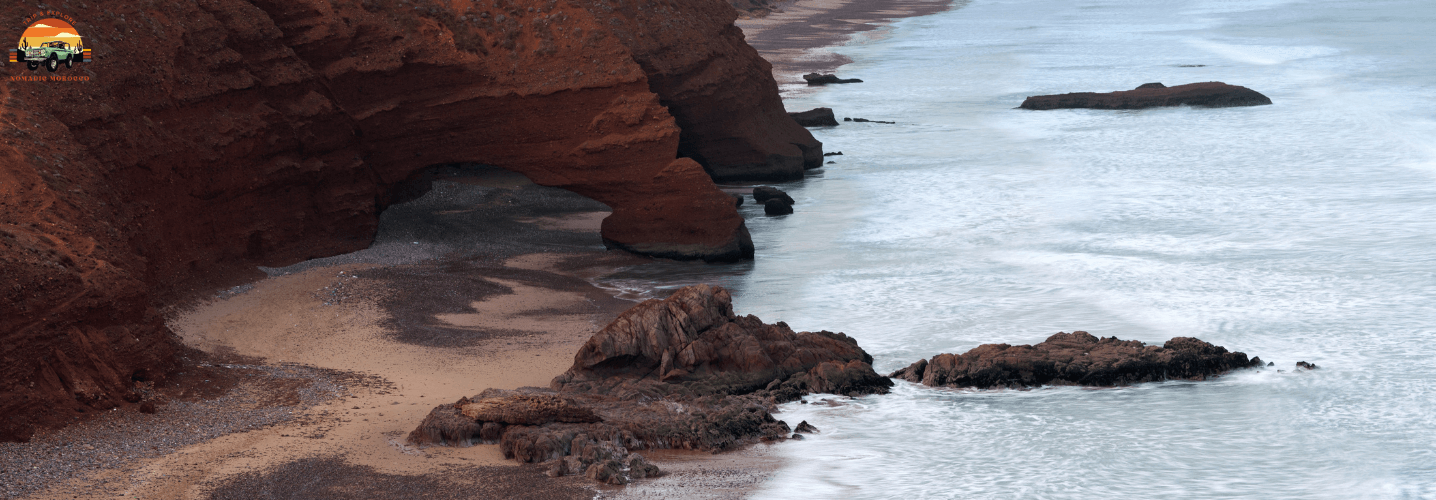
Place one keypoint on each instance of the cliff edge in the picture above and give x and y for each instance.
(212, 137)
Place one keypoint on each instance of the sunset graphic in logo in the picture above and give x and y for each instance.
(50, 43)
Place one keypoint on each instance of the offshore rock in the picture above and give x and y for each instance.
(816, 117)
(820, 79)
(262, 133)
(1076, 358)
(764, 193)
(1208, 94)
(777, 206)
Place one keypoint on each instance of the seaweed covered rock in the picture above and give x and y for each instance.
(1076, 358)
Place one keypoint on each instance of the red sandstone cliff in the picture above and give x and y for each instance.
(217, 135)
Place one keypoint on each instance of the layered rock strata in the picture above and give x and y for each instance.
(1207, 94)
(683, 372)
(212, 137)
(1076, 358)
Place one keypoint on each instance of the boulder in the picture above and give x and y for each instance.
(1208, 94)
(821, 79)
(776, 206)
(1302, 365)
(737, 199)
(1076, 358)
(805, 428)
(692, 343)
(762, 194)
(816, 117)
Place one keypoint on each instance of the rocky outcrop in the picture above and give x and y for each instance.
(1076, 358)
(216, 136)
(776, 206)
(1208, 94)
(692, 344)
(682, 372)
(824, 79)
(816, 117)
(720, 92)
(765, 193)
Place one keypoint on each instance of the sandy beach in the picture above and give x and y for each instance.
(304, 384)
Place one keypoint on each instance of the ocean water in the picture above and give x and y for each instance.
(1300, 231)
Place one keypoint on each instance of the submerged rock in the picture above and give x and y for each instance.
(1076, 358)
(816, 117)
(1305, 366)
(805, 428)
(820, 79)
(762, 194)
(1207, 94)
(776, 206)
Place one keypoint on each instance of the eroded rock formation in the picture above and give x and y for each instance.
(1076, 358)
(683, 372)
(1206, 94)
(216, 136)
(816, 117)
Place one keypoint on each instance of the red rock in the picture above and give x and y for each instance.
(1207, 94)
(261, 132)
(1076, 358)
(692, 343)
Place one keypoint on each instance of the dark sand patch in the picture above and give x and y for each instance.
(331, 478)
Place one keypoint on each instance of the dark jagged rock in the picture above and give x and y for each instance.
(865, 120)
(805, 428)
(816, 117)
(682, 372)
(776, 206)
(1306, 366)
(692, 344)
(762, 194)
(835, 153)
(1076, 358)
(1207, 94)
(819, 79)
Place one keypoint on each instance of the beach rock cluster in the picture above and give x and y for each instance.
(1207, 94)
(258, 133)
(1076, 358)
(682, 372)
(774, 200)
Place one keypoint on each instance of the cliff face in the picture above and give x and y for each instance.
(219, 135)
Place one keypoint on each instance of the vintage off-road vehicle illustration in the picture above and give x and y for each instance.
(51, 54)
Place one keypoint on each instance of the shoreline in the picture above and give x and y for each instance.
(794, 38)
(351, 388)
